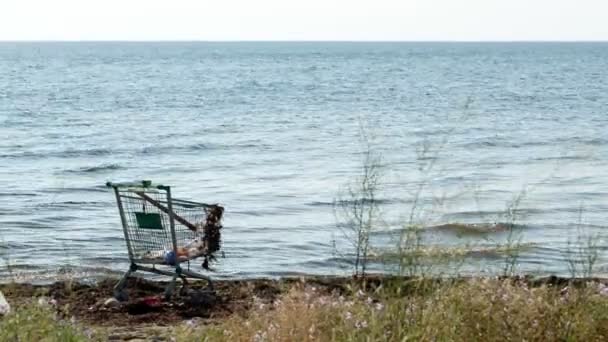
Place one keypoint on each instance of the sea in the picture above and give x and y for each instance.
(477, 146)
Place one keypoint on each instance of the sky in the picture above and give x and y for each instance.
(350, 20)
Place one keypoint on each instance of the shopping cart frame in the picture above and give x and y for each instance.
(141, 193)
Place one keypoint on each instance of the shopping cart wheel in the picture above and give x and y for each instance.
(209, 288)
(184, 288)
(169, 290)
(201, 298)
(121, 295)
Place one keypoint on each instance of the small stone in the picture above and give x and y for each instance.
(5, 308)
(46, 301)
(111, 303)
(193, 322)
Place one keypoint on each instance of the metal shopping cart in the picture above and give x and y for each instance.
(167, 232)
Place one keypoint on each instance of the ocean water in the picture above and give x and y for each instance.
(507, 133)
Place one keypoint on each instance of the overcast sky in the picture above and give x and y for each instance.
(470, 20)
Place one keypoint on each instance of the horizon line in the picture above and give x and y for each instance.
(290, 41)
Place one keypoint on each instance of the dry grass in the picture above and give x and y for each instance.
(475, 310)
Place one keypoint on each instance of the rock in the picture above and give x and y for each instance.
(194, 322)
(5, 308)
(46, 301)
(111, 303)
(105, 304)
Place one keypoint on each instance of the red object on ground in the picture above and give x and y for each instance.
(152, 301)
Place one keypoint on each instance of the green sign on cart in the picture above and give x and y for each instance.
(149, 220)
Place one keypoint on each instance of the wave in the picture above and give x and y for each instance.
(69, 153)
(17, 194)
(60, 190)
(502, 143)
(501, 213)
(197, 147)
(447, 252)
(476, 228)
(152, 150)
(564, 158)
(584, 141)
(48, 273)
(347, 203)
(70, 204)
(95, 152)
(597, 142)
(149, 150)
(97, 168)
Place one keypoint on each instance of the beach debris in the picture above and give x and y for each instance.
(5, 308)
(46, 302)
(169, 258)
(105, 305)
(152, 301)
(211, 233)
(212, 228)
(145, 305)
(193, 322)
(206, 243)
(111, 303)
(198, 298)
(211, 240)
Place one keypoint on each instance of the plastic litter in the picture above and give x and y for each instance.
(145, 305)
(46, 301)
(152, 301)
(169, 258)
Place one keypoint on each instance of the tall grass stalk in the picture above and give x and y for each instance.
(513, 241)
(582, 252)
(357, 208)
(410, 240)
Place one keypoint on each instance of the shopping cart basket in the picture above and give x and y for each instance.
(164, 231)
